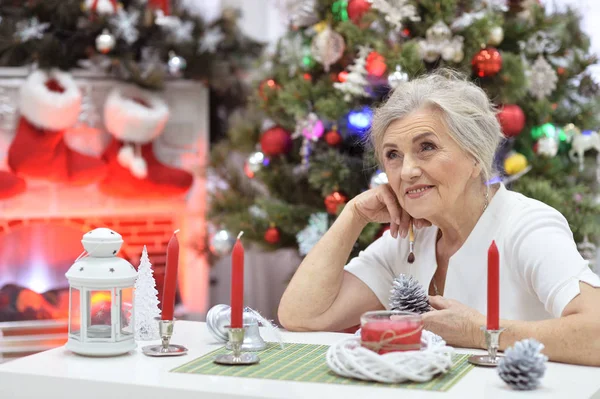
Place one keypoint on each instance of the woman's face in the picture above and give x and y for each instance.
(426, 168)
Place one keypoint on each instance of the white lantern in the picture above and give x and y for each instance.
(101, 298)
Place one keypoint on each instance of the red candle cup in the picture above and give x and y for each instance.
(386, 331)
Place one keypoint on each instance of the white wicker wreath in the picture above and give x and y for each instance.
(349, 359)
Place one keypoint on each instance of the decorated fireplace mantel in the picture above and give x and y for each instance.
(142, 219)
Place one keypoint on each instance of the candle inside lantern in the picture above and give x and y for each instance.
(170, 284)
(493, 288)
(391, 331)
(237, 283)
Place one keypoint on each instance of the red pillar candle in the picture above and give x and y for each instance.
(383, 332)
(170, 284)
(237, 283)
(493, 288)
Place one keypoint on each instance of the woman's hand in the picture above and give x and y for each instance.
(457, 324)
(380, 205)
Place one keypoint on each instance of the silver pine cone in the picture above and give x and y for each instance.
(408, 295)
(523, 365)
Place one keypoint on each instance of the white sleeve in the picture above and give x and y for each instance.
(543, 250)
(374, 266)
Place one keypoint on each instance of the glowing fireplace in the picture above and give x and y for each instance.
(37, 252)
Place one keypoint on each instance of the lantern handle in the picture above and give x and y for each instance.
(85, 253)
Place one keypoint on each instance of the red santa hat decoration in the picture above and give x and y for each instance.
(135, 117)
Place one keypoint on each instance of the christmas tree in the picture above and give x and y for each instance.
(340, 58)
(144, 42)
(146, 301)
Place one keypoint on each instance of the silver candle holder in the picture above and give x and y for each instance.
(237, 357)
(218, 319)
(165, 329)
(492, 342)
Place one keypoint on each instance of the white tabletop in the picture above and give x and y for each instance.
(59, 373)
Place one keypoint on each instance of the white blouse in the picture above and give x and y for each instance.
(540, 267)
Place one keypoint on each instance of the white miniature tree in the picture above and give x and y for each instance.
(356, 81)
(146, 301)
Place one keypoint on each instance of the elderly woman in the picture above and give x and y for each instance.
(435, 137)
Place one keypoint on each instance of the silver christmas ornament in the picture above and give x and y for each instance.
(397, 77)
(176, 64)
(547, 147)
(105, 42)
(496, 36)
(378, 179)
(299, 13)
(523, 365)
(221, 243)
(327, 47)
(408, 295)
(542, 78)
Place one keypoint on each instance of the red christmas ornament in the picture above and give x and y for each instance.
(487, 62)
(512, 120)
(266, 87)
(275, 141)
(272, 235)
(376, 64)
(342, 76)
(357, 8)
(333, 138)
(333, 201)
(307, 76)
(561, 71)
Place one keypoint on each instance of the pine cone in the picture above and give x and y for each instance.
(523, 365)
(408, 295)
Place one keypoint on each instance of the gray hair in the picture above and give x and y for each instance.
(465, 108)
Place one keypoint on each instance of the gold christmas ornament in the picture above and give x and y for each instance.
(515, 163)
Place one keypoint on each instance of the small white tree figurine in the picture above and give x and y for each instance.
(146, 302)
(356, 81)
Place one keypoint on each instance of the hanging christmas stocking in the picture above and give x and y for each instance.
(136, 117)
(10, 185)
(49, 103)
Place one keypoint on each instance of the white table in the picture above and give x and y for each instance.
(61, 374)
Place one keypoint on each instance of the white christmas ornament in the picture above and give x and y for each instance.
(291, 52)
(355, 83)
(125, 25)
(307, 238)
(547, 146)
(146, 301)
(30, 29)
(397, 77)
(211, 40)
(327, 47)
(580, 143)
(440, 43)
(176, 64)
(396, 11)
(542, 78)
(496, 36)
(105, 42)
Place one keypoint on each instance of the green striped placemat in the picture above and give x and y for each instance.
(306, 363)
